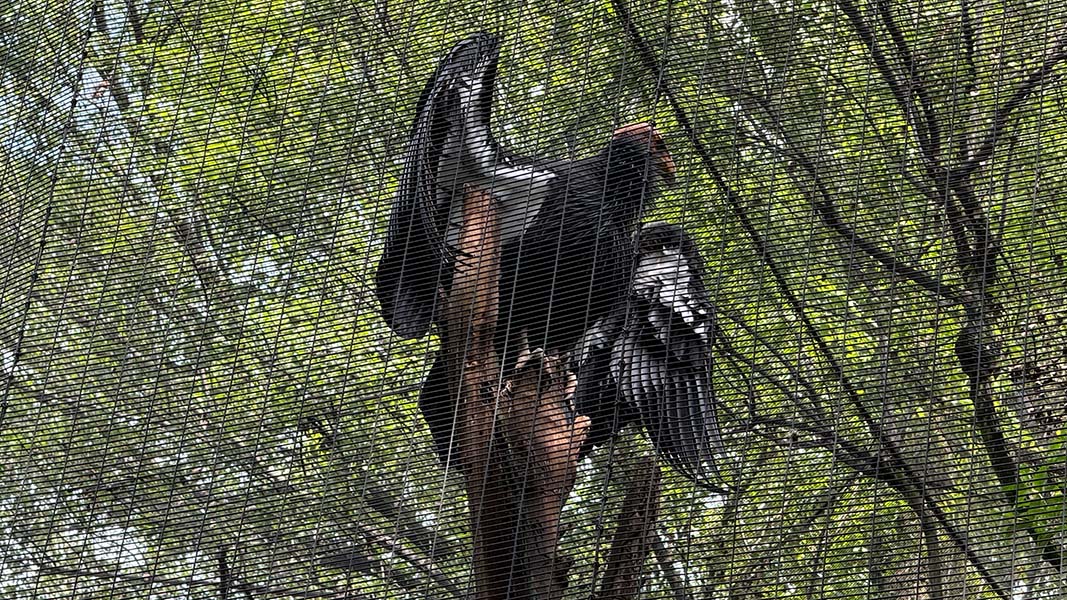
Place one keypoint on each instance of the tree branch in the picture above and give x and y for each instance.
(667, 568)
(878, 468)
(634, 534)
(267, 591)
(977, 347)
(135, 21)
(1003, 113)
(421, 564)
(915, 81)
(826, 208)
(225, 576)
(812, 411)
(881, 63)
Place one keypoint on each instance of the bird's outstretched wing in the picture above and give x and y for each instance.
(449, 146)
(651, 360)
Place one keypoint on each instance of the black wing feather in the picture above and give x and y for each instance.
(598, 390)
(661, 357)
(417, 261)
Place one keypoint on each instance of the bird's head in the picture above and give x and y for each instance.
(658, 238)
(636, 162)
(640, 146)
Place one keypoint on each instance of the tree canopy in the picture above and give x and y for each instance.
(199, 399)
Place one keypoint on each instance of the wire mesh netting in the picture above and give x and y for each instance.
(739, 299)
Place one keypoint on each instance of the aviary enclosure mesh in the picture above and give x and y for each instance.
(200, 399)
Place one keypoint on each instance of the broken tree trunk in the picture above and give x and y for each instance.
(542, 448)
(634, 533)
(518, 448)
(519, 445)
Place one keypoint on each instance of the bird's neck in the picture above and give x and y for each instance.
(628, 191)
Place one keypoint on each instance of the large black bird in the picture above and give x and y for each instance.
(573, 275)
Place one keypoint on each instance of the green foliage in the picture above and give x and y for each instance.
(194, 366)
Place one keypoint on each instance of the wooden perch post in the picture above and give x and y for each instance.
(518, 445)
(634, 533)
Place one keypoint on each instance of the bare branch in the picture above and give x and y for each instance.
(969, 52)
(667, 568)
(163, 35)
(421, 564)
(225, 576)
(915, 80)
(881, 63)
(263, 591)
(878, 468)
(134, 18)
(1001, 115)
(634, 534)
(933, 562)
(831, 217)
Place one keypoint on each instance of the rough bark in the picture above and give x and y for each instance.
(518, 445)
(634, 535)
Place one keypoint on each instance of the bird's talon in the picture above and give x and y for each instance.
(526, 355)
(571, 388)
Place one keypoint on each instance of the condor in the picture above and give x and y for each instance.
(580, 278)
